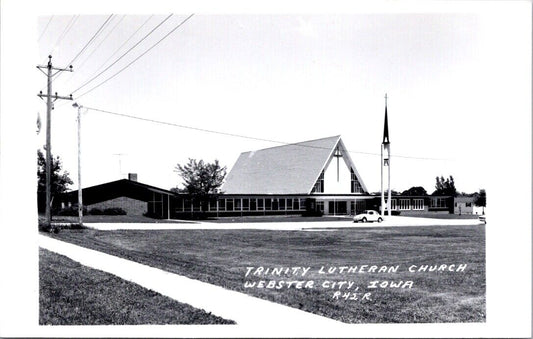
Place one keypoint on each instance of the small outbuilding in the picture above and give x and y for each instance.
(133, 197)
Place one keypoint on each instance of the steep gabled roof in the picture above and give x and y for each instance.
(287, 169)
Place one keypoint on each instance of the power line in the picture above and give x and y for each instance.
(87, 44)
(92, 39)
(239, 135)
(124, 43)
(45, 28)
(65, 31)
(61, 37)
(129, 50)
(96, 48)
(101, 42)
(140, 56)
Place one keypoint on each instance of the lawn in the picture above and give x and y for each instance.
(221, 257)
(72, 294)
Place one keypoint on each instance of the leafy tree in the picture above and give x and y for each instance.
(201, 178)
(59, 182)
(445, 186)
(415, 191)
(481, 199)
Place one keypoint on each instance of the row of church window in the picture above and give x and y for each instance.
(244, 204)
(407, 204)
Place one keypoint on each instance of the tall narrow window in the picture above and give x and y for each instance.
(221, 204)
(405, 204)
(418, 204)
(268, 204)
(229, 204)
(356, 186)
(319, 185)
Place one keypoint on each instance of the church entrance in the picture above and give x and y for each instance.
(338, 207)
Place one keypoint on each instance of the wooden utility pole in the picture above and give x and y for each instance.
(49, 106)
(80, 194)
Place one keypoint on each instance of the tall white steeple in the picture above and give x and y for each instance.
(385, 166)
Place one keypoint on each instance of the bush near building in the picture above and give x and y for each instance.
(73, 211)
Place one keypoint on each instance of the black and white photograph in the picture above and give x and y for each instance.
(181, 169)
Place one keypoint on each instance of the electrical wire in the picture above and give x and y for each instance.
(86, 45)
(123, 55)
(65, 32)
(45, 28)
(120, 47)
(61, 37)
(140, 56)
(101, 42)
(240, 135)
(91, 40)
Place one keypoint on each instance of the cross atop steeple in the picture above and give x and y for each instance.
(386, 127)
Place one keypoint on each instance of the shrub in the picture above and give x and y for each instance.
(114, 211)
(96, 211)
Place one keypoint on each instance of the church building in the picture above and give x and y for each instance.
(316, 175)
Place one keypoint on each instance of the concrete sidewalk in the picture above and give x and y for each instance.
(243, 309)
(392, 221)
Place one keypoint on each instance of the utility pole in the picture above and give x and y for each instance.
(49, 107)
(80, 195)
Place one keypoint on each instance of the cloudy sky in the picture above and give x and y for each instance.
(287, 78)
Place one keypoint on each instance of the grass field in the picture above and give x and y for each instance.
(221, 257)
(72, 294)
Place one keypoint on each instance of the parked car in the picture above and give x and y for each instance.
(368, 215)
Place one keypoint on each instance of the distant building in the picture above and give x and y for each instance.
(464, 205)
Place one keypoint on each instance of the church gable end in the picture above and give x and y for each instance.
(339, 175)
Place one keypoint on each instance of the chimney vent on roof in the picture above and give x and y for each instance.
(132, 176)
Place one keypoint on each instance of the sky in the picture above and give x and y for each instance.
(281, 77)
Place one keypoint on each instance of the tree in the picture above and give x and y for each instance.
(481, 199)
(445, 187)
(201, 178)
(415, 191)
(59, 182)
